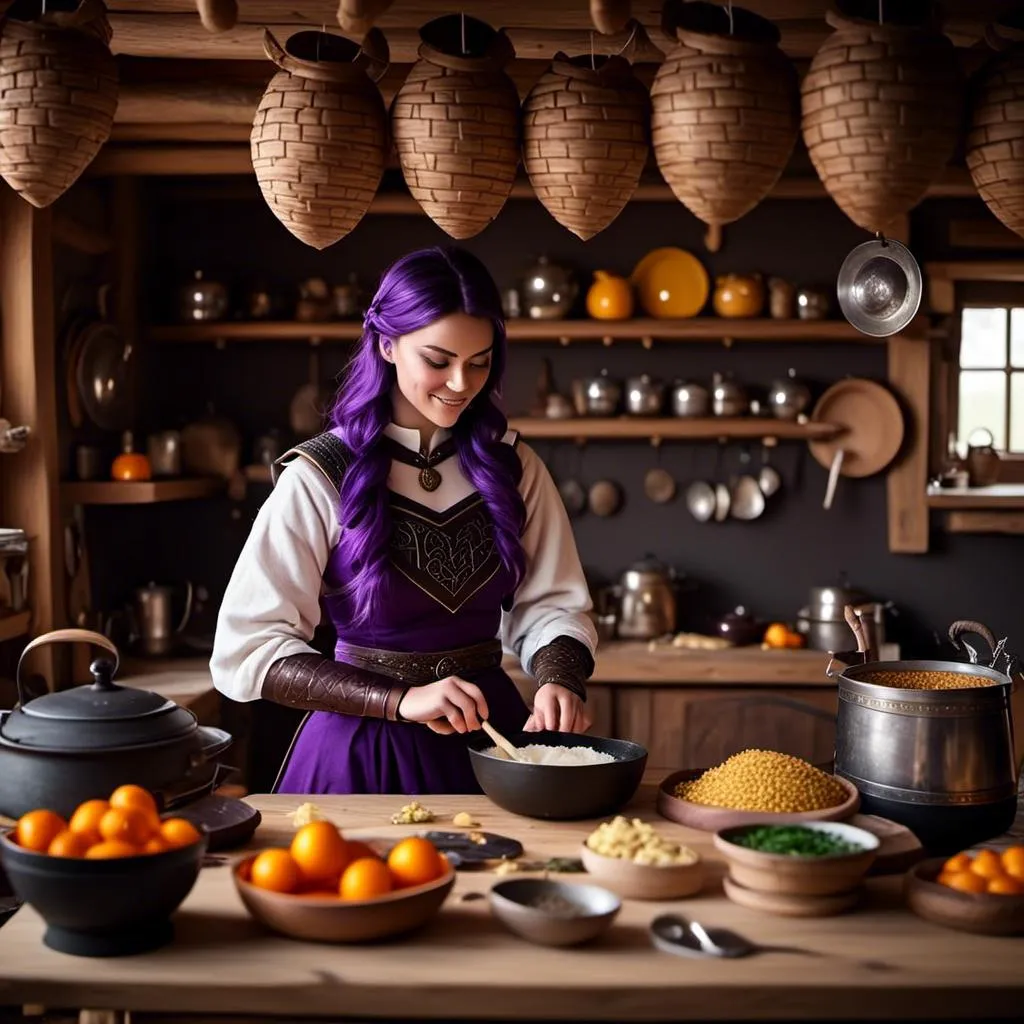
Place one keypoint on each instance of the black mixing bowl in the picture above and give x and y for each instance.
(561, 792)
(103, 907)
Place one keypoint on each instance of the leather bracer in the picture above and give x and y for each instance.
(566, 662)
(315, 683)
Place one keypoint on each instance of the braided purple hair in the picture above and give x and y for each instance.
(414, 292)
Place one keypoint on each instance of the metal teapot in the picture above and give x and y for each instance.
(648, 603)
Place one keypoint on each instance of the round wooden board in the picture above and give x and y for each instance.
(712, 819)
(872, 426)
(788, 905)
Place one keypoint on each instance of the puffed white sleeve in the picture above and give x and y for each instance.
(272, 603)
(553, 598)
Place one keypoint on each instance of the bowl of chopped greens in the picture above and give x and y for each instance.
(813, 858)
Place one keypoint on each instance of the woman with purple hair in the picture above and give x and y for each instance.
(432, 540)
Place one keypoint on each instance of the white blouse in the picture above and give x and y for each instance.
(272, 602)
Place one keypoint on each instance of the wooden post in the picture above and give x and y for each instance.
(910, 378)
(29, 480)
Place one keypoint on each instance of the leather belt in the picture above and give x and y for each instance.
(416, 669)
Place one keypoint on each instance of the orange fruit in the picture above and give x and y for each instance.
(1004, 886)
(958, 862)
(86, 819)
(777, 635)
(136, 798)
(365, 879)
(967, 881)
(127, 824)
(111, 848)
(987, 864)
(37, 829)
(320, 851)
(179, 832)
(69, 844)
(1013, 862)
(414, 861)
(156, 845)
(275, 870)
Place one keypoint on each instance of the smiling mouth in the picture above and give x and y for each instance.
(452, 403)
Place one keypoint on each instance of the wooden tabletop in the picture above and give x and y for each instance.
(464, 963)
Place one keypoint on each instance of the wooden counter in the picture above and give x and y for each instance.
(464, 963)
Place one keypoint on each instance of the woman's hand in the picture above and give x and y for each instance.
(447, 706)
(557, 709)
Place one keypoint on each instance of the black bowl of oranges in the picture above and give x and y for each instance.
(107, 879)
(328, 888)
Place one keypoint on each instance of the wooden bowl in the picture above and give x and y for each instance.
(787, 905)
(322, 919)
(982, 913)
(714, 819)
(794, 875)
(644, 881)
(518, 904)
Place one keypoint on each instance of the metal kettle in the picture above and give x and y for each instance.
(648, 604)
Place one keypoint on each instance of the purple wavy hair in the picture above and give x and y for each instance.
(414, 292)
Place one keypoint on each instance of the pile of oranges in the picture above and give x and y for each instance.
(986, 872)
(126, 825)
(322, 862)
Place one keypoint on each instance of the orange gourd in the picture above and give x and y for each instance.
(130, 464)
(610, 297)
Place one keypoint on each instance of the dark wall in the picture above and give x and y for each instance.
(767, 565)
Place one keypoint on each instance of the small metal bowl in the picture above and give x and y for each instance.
(553, 913)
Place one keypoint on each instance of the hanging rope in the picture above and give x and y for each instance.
(632, 36)
(732, 24)
(462, 26)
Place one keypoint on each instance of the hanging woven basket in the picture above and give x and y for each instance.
(585, 132)
(320, 135)
(995, 138)
(58, 95)
(725, 111)
(455, 123)
(882, 106)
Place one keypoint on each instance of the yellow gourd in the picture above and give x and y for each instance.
(738, 295)
(610, 297)
(130, 464)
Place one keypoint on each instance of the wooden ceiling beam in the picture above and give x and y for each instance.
(174, 34)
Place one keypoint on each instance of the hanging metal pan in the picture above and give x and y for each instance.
(870, 422)
(879, 287)
(104, 374)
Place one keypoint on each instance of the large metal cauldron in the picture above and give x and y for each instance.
(940, 762)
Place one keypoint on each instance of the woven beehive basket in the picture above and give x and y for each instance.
(725, 111)
(455, 122)
(882, 107)
(58, 95)
(320, 135)
(995, 138)
(585, 140)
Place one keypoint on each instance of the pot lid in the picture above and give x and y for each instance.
(97, 716)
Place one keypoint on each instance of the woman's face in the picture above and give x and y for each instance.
(440, 369)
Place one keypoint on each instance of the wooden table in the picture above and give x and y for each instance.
(465, 964)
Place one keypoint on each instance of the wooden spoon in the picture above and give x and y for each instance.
(501, 742)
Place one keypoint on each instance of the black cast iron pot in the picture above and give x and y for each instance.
(74, 745)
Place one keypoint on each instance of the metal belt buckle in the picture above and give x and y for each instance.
(445, 667)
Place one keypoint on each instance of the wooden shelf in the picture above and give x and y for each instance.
(697, 329)
(649, 428)
(138, 492)
(14, 624)
(1008, 497)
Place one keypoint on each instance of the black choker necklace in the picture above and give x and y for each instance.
(429, 477)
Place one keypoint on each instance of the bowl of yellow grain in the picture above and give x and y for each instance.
(756, 787)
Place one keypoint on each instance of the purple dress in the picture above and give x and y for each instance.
(445, 589)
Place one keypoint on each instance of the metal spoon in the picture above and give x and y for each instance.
(700, 500)
(675, 934)
(769, 477)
